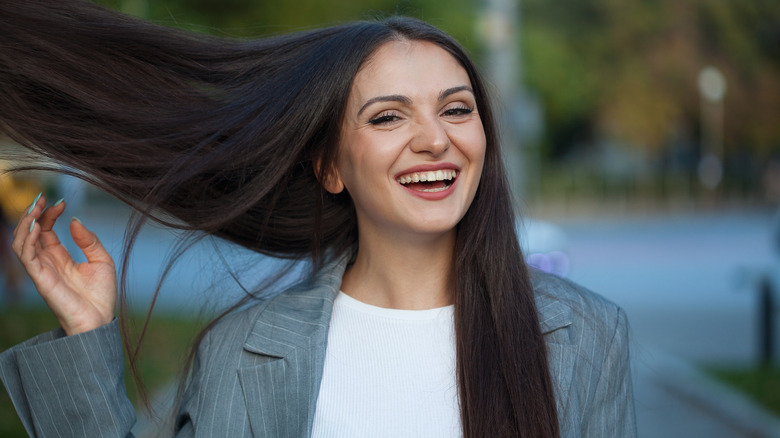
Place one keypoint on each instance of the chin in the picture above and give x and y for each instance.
(435, 228)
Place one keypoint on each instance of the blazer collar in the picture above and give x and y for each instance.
(553, 314)
(289, 338)
(298, 316)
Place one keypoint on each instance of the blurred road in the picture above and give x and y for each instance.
(684, 282)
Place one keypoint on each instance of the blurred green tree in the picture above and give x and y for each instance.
(624, 71)
(628, 70)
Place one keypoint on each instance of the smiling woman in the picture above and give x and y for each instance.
(367, 148)
(396, 130)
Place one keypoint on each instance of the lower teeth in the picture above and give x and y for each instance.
(434, 190)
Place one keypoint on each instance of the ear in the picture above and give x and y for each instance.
(329, 178)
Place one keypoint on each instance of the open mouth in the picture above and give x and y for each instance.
(430, 182)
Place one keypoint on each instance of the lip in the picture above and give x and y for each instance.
(430, 196)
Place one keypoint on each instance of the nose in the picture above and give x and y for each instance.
(430, 137)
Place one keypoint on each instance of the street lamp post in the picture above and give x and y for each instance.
(498, 28)
(712, 90)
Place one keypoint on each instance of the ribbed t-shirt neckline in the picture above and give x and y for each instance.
(384, 312)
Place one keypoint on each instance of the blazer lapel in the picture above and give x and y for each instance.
(554, 318)
(289, 340)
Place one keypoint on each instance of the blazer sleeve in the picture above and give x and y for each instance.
(612, 413)
(70, 386)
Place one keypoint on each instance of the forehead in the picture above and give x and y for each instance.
(409, 68)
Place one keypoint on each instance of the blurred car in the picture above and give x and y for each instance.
(544, 246)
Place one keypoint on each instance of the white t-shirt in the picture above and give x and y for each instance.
(388, 373)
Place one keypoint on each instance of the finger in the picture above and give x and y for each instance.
(50, 215)
(27, 212)
(18, 239)
(31, 212)
(37, 205)
(89, 243)
(28, 252)
(20, 234)
(47, 220)
(34, 203)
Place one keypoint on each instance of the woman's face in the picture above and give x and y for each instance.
(412, 142)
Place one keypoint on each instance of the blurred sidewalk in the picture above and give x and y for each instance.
(673, 399)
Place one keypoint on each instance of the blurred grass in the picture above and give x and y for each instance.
(760, 384)
(163, 353)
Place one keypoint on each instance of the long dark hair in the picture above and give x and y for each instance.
(219, 137)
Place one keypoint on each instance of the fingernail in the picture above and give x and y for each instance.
(74, 218)
(32, 225)
(58, 202)
(34, 202)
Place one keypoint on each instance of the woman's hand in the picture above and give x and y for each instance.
(81, 295)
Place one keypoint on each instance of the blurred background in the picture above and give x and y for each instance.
(643, 143)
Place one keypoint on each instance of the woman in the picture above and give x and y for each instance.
(368, 148)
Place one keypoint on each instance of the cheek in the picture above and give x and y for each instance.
(479, 153)
(357, 171)
(366, 160)
(344, 161)
(475, 145)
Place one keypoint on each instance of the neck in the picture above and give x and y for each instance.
(410, 274)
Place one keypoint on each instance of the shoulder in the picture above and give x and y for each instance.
(587, 340)
(238, 322)
(562, 303)
(307, 302)
(234, 327)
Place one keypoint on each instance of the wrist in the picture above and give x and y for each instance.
(74, 328)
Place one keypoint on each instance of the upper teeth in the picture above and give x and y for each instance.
(433, 175)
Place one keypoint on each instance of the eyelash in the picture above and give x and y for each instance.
(389, 117)
(459, 111)
(383, 118)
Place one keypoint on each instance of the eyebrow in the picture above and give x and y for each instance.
(406, 101)
(450, 91)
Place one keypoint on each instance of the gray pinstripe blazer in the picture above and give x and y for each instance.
(258, 372)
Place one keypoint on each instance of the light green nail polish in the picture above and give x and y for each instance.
(74, 218)
(32, 225)
(58, 202)
(34, 202)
